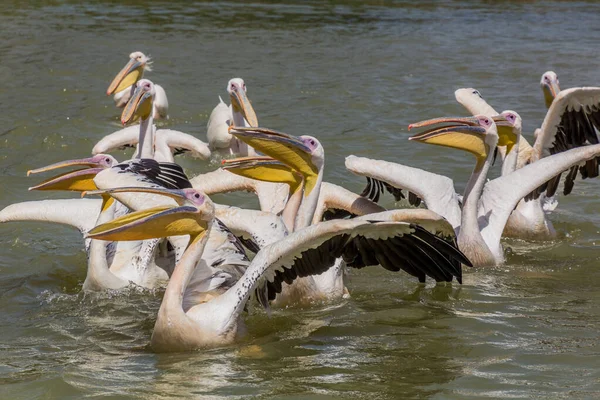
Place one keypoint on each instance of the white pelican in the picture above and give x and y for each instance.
(306, 156)
(123, 85)
(159, 144)
(488, 205)
(239, 113)
(217, 320)
(571, 121)
(110, 265)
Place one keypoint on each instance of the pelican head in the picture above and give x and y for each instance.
(550, 87)
(304, 154)
(140, 104)
(192, 217)
(509, 126)
(131, 73)
(79, 180)
(477, 135)
(239, 101)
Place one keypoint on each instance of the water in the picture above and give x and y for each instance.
(354, 74)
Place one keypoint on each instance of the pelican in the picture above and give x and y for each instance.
(239, 113)
(305, 156)
(123, 85)
(159, 144)
(488, 205)
(218, 320)
(570, 122)
(110, 265)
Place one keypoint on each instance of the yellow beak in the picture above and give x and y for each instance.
(506, 135)
(139, 106)
(550, 90)
(241, 104)
(157, 222)
(288, 149)
(80, 181)
(458, 133)
(129, 75)
(81, 162)
(264, 169)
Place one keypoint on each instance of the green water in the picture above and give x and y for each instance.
(354, 74)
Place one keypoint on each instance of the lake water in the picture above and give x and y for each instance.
(354, 74)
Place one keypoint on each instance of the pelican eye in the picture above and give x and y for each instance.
(197, 195)
(107, 160)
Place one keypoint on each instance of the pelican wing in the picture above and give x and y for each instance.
(313, 250)
(260, 227)
(221, 181)
(164, 174)
(179, 143)
(127, 137)
(335, 202)
(436, 190)
(501, 195)
(572, 121)
(78, 213)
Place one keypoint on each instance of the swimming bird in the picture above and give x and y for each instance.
(239, 113)
(305, 156)
(571, 121)
(123, 85)
(110, 265)
(160, 144)
(487, 205)
(218, 320)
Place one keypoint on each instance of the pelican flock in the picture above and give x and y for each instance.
(145, 223)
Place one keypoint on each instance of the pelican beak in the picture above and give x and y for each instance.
(241, 104)
(139, 106)
(156, 222)
(506, 135)
(550, 90)
(458, 133)
(129, 75)
(264, 169)
(81, 180)
(81, 162)
(176, 194)
(288, 149)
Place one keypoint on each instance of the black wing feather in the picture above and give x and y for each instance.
(419, 253)
(167, 175)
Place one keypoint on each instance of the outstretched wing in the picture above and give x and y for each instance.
(313, 250)
(572, 121)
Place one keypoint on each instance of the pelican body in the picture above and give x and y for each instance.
(239, 113)
(218, 320)
(123, 85)
(150, 142)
